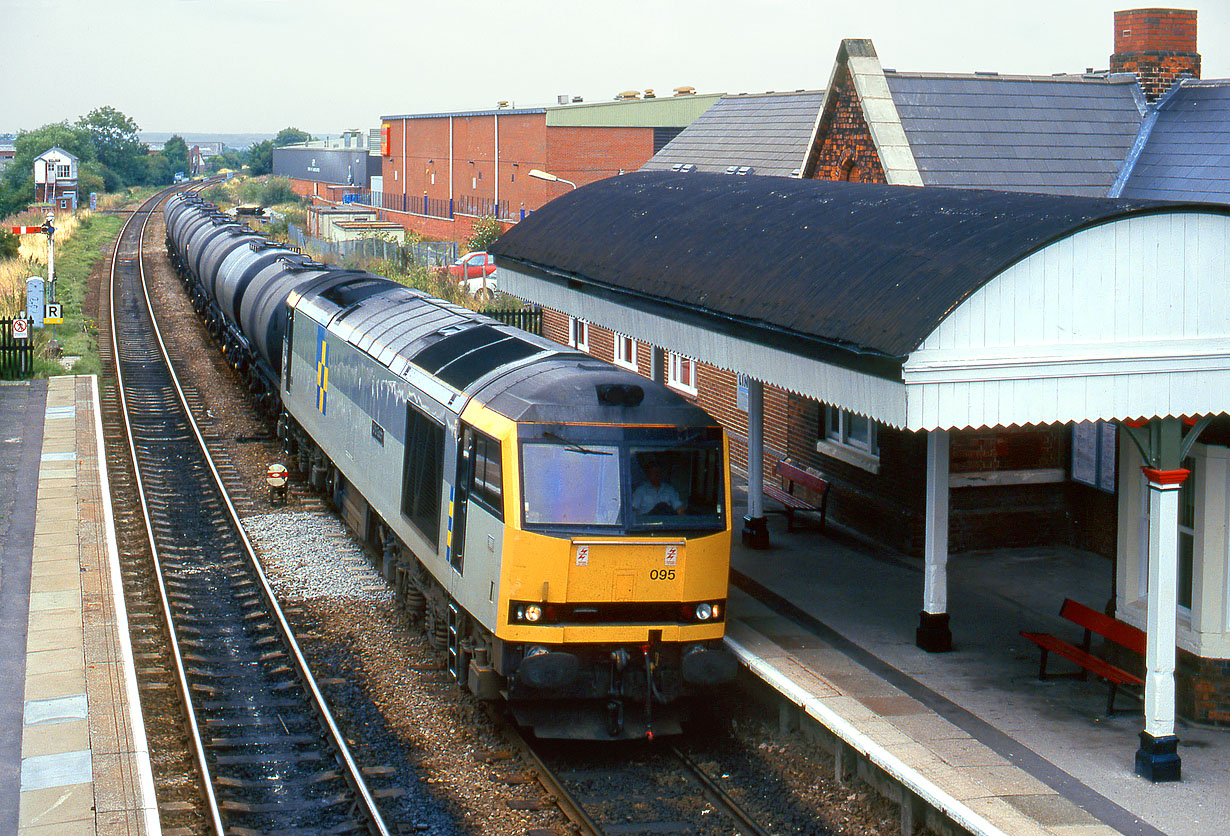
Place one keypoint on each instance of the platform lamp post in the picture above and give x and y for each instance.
(539, 174)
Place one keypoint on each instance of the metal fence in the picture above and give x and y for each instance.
(444, 208)
(16, 356)
(525, 320)
(429, 253)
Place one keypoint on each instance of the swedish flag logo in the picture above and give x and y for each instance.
(322, 369)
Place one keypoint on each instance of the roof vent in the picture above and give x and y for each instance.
(649, 93)
(683, 167)
(503, 103)
(619, 394)
(627, 94)
(576, 99)
(562, 98)
(685, 91)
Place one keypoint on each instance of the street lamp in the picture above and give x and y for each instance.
(550, 178)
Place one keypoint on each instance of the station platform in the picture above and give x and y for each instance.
(73, 755)
(829, 620)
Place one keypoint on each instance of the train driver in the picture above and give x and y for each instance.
(654, 496)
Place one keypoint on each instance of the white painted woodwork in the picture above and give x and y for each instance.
(935, 547)
(1127, 319)
(1160, 616)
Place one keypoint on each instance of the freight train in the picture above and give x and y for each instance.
(562, 525)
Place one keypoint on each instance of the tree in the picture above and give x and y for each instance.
(486, 229)
(260, 158)
(17, 183)
(93, 177)
(228, 159)
(116, 142)
(157, 170)
(290, 136)
(175, 152)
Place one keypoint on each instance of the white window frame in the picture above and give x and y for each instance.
(835, 440)
(674, 376)
(63, 171)
(578, 333)
(625, 351)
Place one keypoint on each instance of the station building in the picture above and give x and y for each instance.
(441, 171)
(1019, 480)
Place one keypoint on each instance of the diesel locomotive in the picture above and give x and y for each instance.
(561, 524)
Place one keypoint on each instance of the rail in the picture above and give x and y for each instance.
(144, 353)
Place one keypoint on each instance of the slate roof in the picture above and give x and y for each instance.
(1187, 153)
(1053, 135)
(855, 274)
(767, 132)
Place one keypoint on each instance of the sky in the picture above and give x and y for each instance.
(230, 66)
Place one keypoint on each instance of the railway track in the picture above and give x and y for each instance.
(637, 788)
(270, 757)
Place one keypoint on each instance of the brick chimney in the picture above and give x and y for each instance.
(1158, 45)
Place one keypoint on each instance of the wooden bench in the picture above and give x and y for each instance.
(1092, 621)
(792, 476)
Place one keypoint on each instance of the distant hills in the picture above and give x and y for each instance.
(192, 137)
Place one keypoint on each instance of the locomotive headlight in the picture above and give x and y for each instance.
(704, 612)
(533, 612)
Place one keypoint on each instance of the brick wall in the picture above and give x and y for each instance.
(1202, 689)
(844, 148)
(419, 155)
(1158, 45)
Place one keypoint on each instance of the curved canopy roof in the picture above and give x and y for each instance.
(920, 307)
(862, 267)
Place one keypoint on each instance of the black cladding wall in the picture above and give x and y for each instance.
(340, 166)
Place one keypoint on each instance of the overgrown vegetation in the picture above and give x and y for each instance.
(81, 243)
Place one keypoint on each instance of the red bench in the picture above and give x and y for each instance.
(792, 476)
(1092, 621)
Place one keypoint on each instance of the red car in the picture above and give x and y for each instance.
(472, 266)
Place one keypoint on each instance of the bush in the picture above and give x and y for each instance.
(278, 190)
(486, 230)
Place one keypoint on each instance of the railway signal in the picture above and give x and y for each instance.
(49, 230)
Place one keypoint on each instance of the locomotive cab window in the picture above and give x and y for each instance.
(423, 475)
(676, 487)
(486, 476)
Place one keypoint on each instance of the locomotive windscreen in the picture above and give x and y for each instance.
(632, 479)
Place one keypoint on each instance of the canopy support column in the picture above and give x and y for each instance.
(755, 527)
(1163, 445)
(933, 634)
(1157, 759)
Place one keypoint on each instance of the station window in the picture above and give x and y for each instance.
(423, 475)
(625, 352)
(845, 430)
(682, 373)
(63, 171)
(578, 333)
(1093, 454)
